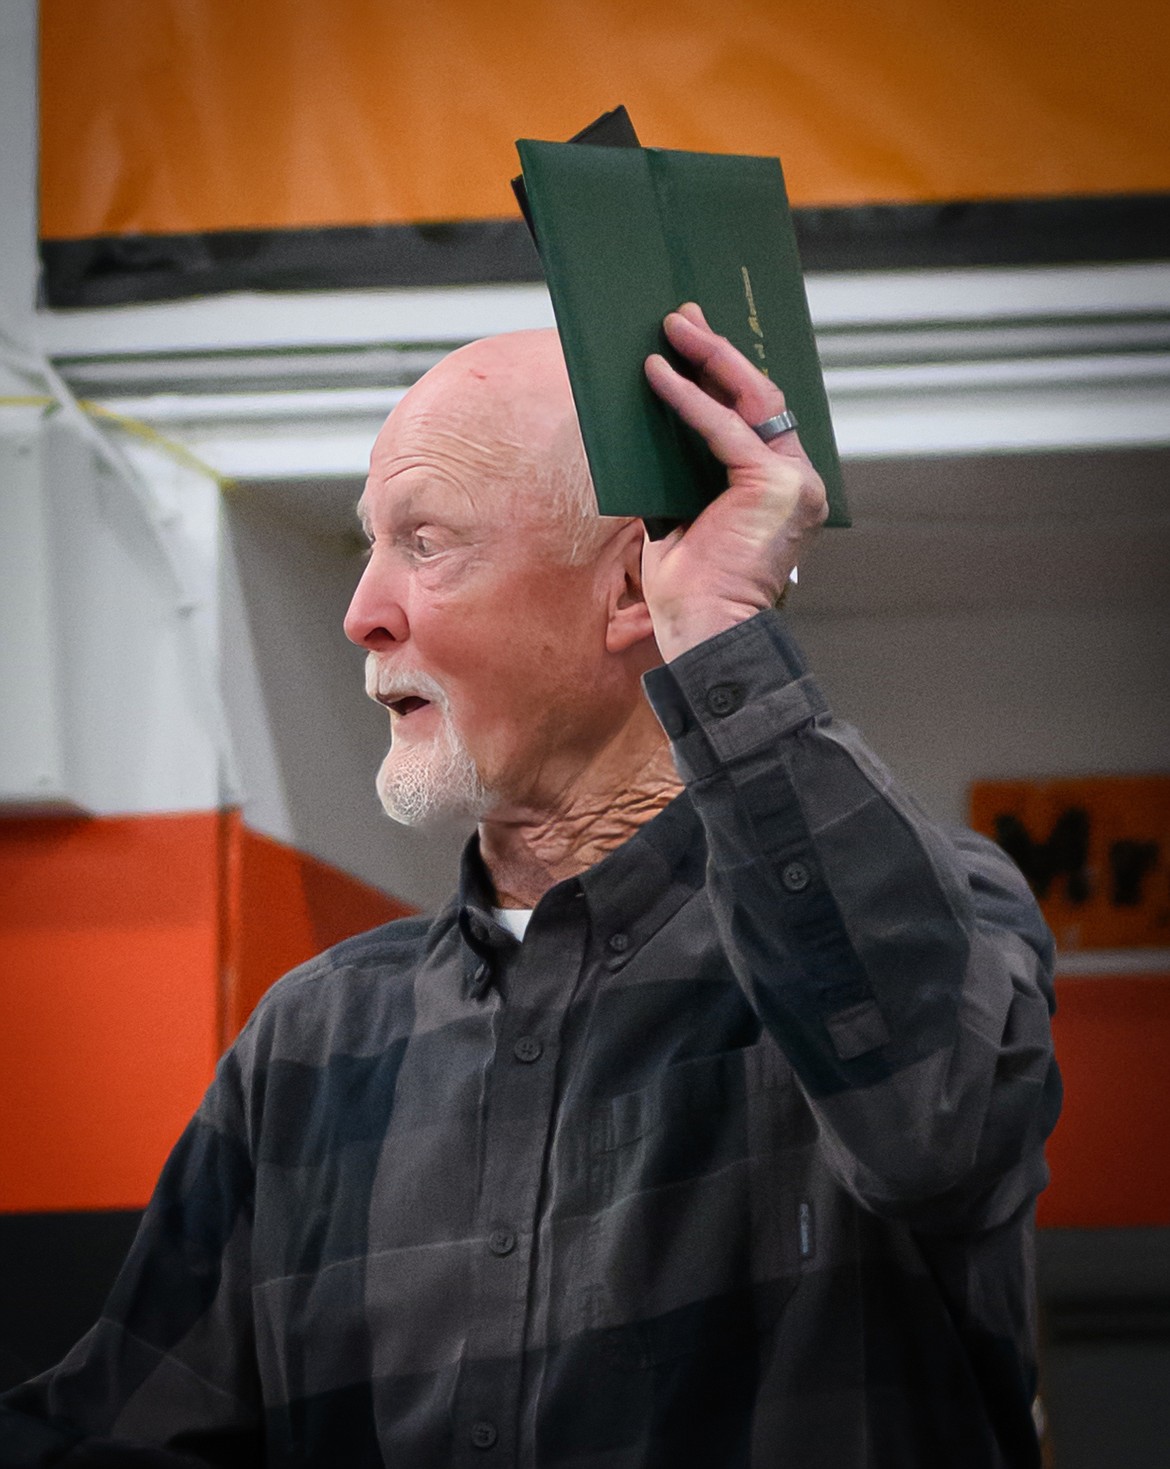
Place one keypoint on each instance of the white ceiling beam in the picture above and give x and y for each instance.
(450, 314)
(916, 363)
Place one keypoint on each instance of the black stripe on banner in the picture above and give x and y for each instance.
(118, 269)
(114, 270)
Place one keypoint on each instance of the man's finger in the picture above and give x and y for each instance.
(730, 437)
(725, 369)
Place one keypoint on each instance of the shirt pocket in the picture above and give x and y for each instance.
(698, 1234)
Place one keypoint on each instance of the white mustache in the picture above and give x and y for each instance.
(398, 683)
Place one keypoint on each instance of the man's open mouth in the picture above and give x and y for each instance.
(406, 705)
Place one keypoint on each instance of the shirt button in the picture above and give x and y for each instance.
(501, 1241)
(483, 1434)
(527, 1048)
(619, 942)
(795, 876)
(723, 699)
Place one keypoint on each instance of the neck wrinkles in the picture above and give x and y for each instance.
(527, 852)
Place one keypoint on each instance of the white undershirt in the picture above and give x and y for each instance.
(513, 919)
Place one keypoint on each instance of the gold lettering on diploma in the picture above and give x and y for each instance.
(754, 320)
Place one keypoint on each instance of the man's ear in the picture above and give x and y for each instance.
(629, 617)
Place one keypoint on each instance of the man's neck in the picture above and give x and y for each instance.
(527, 851)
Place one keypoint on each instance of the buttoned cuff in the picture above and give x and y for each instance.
(734, 693)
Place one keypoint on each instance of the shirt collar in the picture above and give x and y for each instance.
(633, 890)
(638, 887)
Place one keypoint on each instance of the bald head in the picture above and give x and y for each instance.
(522, 372)
(502, 409)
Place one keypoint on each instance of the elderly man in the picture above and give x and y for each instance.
(704, 1126)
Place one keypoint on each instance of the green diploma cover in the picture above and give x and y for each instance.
(627, 234)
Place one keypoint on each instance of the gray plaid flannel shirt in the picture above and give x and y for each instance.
(731, 1163)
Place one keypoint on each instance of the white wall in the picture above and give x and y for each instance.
(950, 698)
(30, 747)
(18, 169)
(107, 596)
(134, 646)
(109, 701)
(999, 616)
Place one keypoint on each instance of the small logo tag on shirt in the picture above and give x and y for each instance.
(806, 1225)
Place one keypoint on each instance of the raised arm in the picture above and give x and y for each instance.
(903, 969)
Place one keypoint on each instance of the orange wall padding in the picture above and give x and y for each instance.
(131, 950)
(162, 116)
(1109, 1156)
(284, 907)
(108, 952)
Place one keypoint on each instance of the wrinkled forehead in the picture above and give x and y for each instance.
(472, 428)
(492, 415)
(449, 459)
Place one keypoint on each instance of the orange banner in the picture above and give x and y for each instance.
(176, 116)
(1096, 851)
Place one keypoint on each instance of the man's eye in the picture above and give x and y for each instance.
(422, 545)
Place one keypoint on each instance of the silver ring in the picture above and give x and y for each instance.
(772, 428)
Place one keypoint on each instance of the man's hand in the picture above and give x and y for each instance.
(734, 560)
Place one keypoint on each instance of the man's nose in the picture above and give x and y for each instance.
(376, 618)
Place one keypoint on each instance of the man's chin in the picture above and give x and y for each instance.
(434, 818)
(427, 793)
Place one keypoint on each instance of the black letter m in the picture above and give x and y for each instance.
(1065, 853)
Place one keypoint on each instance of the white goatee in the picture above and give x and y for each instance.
(420, 784)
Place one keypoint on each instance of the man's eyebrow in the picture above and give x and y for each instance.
(363, 516)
